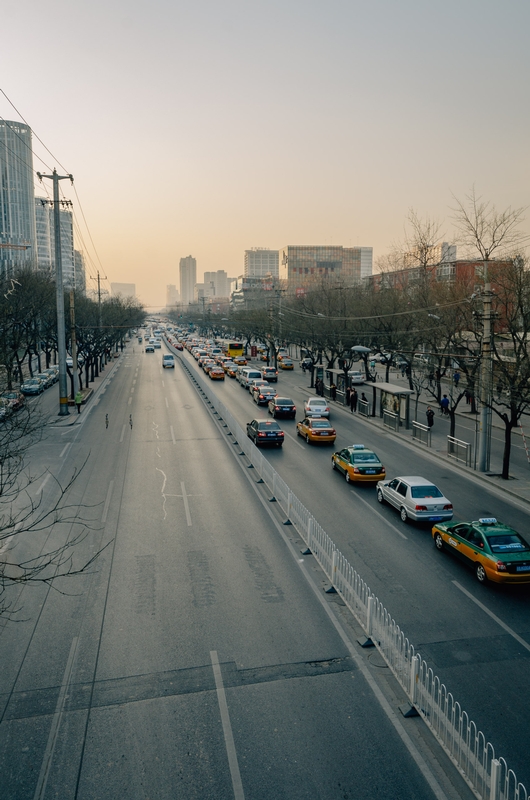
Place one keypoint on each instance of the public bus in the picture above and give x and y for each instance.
(232, 348)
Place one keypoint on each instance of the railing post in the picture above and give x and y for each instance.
(308, 550)
(289, 501)
(414, 670)
(495, 789)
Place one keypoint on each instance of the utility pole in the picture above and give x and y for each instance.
(61, 337)
(73, 341)
(484, 442)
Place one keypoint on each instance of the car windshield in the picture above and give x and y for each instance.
(425, 491)
(507, 543)
(320, 423)
(364, 458)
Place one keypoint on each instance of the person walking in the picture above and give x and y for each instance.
(348, 396)
(456, 378)
(78, 400)
(430, 416)
(333, 391)
(353, 401)
(444, 405)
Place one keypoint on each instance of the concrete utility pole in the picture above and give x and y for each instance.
(484, 442)
(61, 337)
(73, 341)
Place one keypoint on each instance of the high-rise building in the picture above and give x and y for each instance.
(123, 290)
(188, 279)
(216, 284)
(260, 262)
(45, 238)
(172, 296)
(80, 271)
(303, 265)
(17, 202)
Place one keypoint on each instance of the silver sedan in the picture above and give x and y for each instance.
(415, 498)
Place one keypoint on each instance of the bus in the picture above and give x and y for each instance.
(232, 348)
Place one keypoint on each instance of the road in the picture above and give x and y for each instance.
(199, 657)
(476, 638)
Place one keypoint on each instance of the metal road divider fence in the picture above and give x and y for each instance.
(488, 776)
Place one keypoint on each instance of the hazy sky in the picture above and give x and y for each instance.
(207, 128)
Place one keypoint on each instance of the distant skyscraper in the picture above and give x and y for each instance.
(260, 262)
(188, 279)
(172, 296)
(44, 216)
(17, 203)
(80, 271)
(216, 284)
(123, 290)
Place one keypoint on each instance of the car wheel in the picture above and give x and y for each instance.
(347, 476)
(380, 497)
(480, 573)
(403, 514)
(333, 465)
(438, 542)
(307, 438)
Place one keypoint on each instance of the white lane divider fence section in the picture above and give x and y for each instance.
(488, 776)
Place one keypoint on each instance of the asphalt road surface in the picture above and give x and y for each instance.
(198, 657)
(476, 638)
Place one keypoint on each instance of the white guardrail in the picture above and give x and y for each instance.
(488, 776)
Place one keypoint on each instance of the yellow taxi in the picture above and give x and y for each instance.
(358, 464)
(217, 374)
(316, 430)
(240, 361)
(285, 363)
(231, 370)
(494, 551)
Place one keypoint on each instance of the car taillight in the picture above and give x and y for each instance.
(280, 433)
(448, 507)
(356, 469)
(277, 408)
(421, 508)
(333, 432)
(500, 566)
(262, 434)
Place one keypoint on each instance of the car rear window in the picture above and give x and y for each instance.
(364, 458)
(507, 543)
(317, 403)
(284, 401)
(320, 423)
(425, 491)
(268, 426)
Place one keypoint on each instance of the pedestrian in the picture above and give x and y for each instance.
(430, 416)
(444, 404)
(403, 369)
(348, 396)
(456, 377)
(317, 386)
(467, 395)
(363, 397)
(333, 391)
(353, 401)
(78, 400)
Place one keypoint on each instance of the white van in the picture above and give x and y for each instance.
(247, 374)
(168, 360)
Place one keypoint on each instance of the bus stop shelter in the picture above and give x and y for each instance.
(388, 397)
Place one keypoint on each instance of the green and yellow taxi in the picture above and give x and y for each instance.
(494, 551)
(316, 430)
(359, 464)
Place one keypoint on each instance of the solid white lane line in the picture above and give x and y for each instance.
(65, 448)
(122, 434)
(172, 434)
(493, 616)
(186, 504)
(107, 502)
(56, 721)
(43, 484)
(374, 511)
(237, 784)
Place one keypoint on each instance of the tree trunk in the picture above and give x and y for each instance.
(507, 450)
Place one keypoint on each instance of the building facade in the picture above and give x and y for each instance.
(17, 200)
(188, 279)
(302, 266)
(216, 284)
(45, 240)
(260, 262)
(172, 296)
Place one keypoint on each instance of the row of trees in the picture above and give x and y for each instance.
(28, 327)
(28, 336)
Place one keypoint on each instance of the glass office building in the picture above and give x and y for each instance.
(17, 202)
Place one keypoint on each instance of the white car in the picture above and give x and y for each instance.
(415, 498)
(355, 377)
(316, 407)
